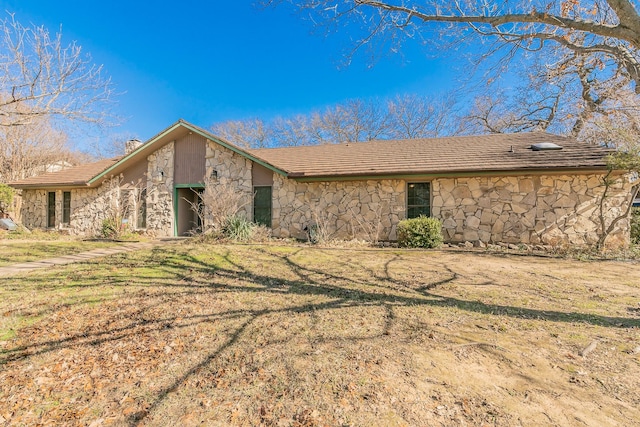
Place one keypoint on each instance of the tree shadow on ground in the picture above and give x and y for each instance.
(187, 275)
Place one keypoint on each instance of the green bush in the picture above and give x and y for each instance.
(421, 232)
(238, 228)
(6, 197)
(109, 228)
(635, 226)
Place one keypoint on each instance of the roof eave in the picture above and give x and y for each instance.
(134, 153)
(302, 177)
(181, 123)
(40, 186)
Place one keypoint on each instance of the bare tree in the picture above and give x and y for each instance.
(298, 130)
(502, 113)
(357, 120)
(608, 28)
(42, 76)
(561, 98)
(585, 53)
(114, 146)
(414, 116)
(32, 150)
(252, 133)
(626, 161)
(45, 86)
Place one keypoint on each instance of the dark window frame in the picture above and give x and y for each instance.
(263, 214)
(418, 203)
(66, 207)
(51, 209)
(141, 215)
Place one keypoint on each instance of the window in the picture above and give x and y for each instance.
(127, 205)
(66, 207)
(262, 205)
(418, 199)
(51, 209)
(141, 219)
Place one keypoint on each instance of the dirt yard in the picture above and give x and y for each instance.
(271, 335)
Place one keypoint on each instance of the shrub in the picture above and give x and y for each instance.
(109, 228)
(260, 233)
(421, 232)
(635, 226)
(238, 228)
(6, 198)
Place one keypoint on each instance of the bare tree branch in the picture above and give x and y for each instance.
(40, 76)
(356, 120)
(629, 32)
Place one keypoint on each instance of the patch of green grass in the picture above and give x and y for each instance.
(11, 323)
(23, 234)
(14, 252)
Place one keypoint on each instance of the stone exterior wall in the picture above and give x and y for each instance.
(232, 180)
(160, 217)
(550, 209)
(89, 207)
(34, 208)
(547, 209)
(536, 209)
(341, 209)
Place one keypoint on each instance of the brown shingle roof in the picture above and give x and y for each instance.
(460, 154)
(72, 177)
(435, 156)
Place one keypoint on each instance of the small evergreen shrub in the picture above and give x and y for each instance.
(635, 226)
(421, 232)
(6, 198)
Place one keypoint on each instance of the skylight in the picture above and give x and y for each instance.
(544, 146)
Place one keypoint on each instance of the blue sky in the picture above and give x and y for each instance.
(213, 61)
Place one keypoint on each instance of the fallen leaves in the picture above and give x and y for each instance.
(340, 342)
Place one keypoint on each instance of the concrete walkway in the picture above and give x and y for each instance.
(16, 269)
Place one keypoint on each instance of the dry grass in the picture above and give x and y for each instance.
(13, 251)
(301, 336)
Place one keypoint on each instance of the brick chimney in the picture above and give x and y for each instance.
(131, 145)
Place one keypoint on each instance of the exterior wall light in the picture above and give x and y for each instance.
(214, 174)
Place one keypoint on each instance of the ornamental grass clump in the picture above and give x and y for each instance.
(238, 228)
(421, 232)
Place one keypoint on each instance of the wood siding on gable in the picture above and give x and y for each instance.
(261, 176)
(136, 175)
(190, 153)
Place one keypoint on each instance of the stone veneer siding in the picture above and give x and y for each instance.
(160, 217)
(233, 173)
(341, 209)
(536, 209)
(546, 209)
(89, 207)
(34, 208)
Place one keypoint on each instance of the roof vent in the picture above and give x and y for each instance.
(545, 146)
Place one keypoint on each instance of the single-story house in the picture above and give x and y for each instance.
(534, 188)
